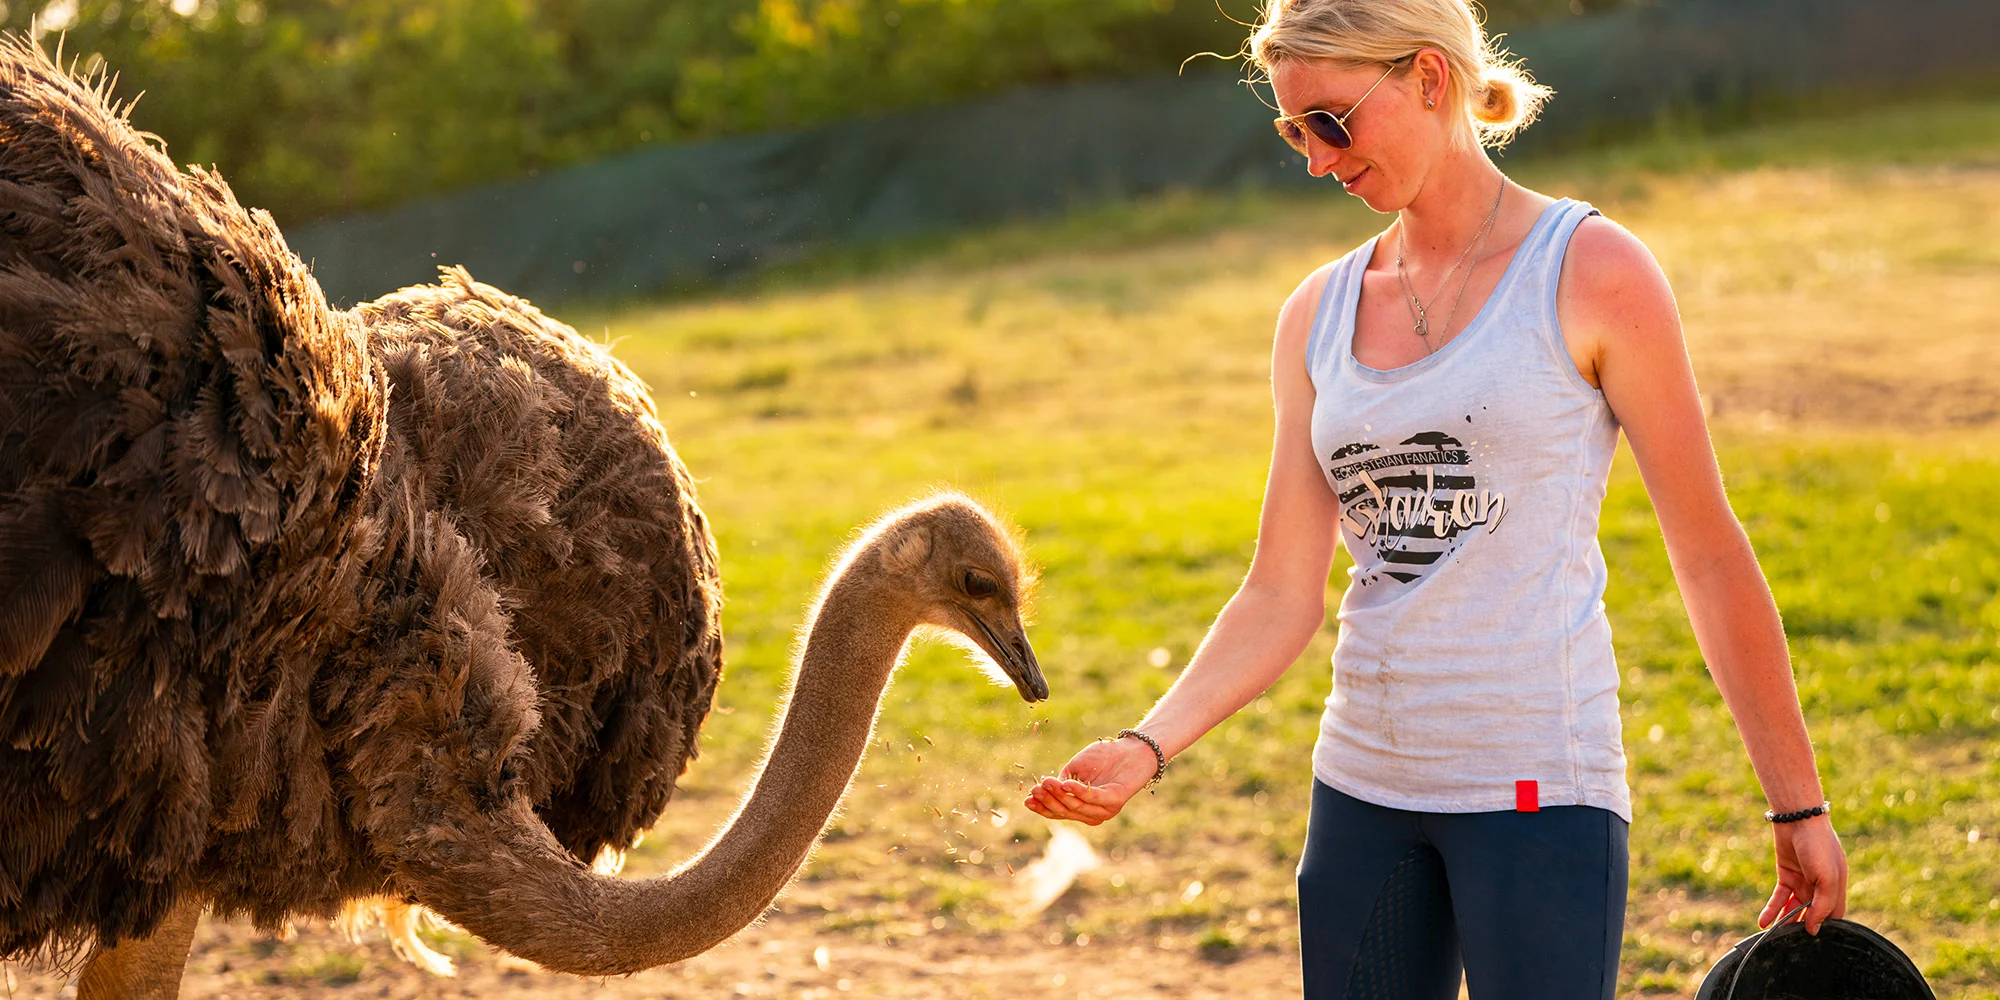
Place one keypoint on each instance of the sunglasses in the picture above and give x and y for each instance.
(1328, 127)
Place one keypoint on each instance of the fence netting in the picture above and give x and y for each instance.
(680, 216)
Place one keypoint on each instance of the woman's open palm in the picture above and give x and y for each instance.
(1095, 784)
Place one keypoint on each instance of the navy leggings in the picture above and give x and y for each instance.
(1393, 904)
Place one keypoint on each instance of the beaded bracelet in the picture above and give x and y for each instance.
(1159, 755)
(1793, 817)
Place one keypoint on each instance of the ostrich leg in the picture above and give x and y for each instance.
(144, 968)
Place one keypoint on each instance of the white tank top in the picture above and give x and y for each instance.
(1474, 653)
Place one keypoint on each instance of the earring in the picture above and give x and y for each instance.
(1429, 104)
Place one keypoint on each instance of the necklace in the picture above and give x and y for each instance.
(1419, 314)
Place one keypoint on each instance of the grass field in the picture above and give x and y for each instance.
(1103, 380)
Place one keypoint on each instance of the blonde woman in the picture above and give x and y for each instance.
(1448, 398)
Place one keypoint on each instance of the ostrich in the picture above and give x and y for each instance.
(301, 606)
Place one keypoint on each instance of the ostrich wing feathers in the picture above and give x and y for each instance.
(257, 555)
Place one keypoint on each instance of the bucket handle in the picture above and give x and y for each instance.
(1754, 945)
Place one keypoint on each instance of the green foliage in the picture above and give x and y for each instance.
(311, 106)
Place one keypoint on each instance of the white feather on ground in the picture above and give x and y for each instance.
(399, 922)
(1046, 878)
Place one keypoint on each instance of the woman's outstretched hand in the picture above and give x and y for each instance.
(1812, 868)
(1096, 783)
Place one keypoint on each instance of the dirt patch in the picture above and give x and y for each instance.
(1801, 307)
(1672, 938)
(773, 959)
(1832, 397)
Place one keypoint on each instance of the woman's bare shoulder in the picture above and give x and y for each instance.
(1302, 305)
(1305, 297)
(1612, 287)
(1605, 258)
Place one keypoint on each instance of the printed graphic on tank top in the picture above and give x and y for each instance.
(1474, 657)
(1411, 503)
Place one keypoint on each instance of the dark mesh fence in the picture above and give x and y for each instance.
(682, 215)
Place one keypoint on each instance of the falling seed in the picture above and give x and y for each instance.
(927, 741)
(1010, 866)
(961, 861)
(920, 758)
(940, 814)
(1020, 765)
(912, 747)
(998, 816)
(959, 834)
(951, 850)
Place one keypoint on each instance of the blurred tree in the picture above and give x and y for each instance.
(317, 106)
(311, 106)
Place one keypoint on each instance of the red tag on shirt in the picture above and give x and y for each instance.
(1527, 797)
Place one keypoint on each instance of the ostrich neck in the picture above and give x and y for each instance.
(851, 649)
(500, 874)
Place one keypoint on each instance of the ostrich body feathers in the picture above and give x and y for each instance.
(278, 580)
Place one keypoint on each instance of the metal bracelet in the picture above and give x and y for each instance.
(1792, 817)
(1159, 755)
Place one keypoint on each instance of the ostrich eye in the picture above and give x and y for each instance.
(978, 584)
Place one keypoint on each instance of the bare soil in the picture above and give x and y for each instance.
(232, 961)
(773, 959)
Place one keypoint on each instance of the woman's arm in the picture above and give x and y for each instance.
(1262, 629)
(1618, 313)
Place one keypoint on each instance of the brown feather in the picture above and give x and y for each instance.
(269, 570)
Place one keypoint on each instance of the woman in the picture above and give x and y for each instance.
(1448, 398)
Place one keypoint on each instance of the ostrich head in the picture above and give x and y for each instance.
(965, 577)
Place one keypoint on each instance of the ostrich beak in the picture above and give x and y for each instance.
(1008, 646)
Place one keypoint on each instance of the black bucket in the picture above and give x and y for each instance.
(1845, 961)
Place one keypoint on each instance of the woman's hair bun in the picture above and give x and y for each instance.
(1506, 101)
(1496, 102)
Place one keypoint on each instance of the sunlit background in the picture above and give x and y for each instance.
(862, 247)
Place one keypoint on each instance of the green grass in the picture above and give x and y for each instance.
(1102, 380)
(319, 968)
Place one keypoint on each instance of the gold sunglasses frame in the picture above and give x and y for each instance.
(1301, 147)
